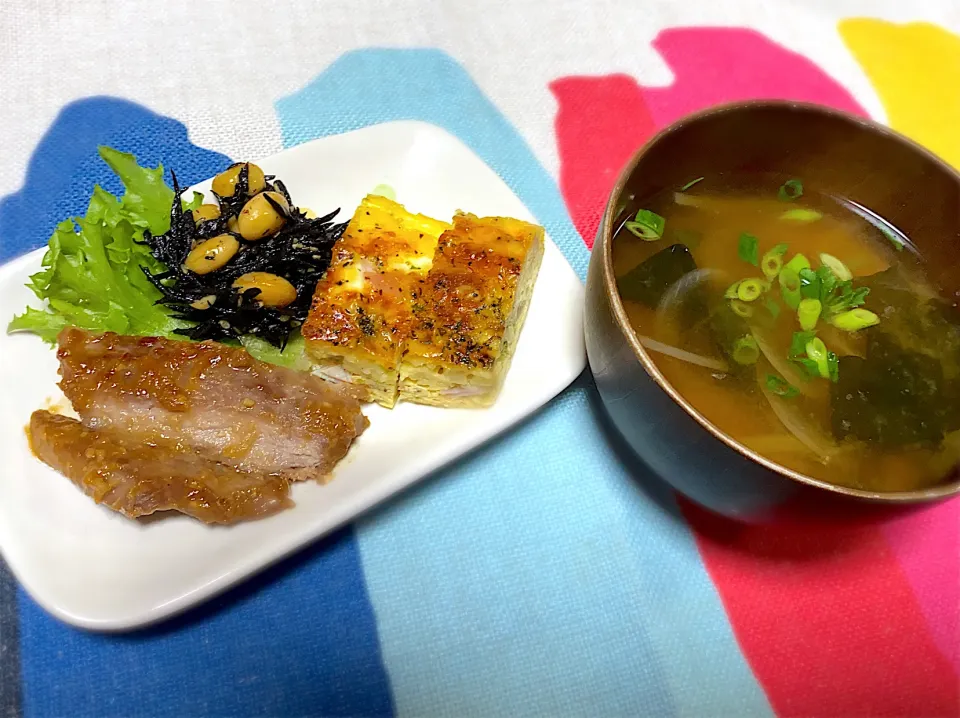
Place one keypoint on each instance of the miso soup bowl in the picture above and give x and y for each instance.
(833, 151)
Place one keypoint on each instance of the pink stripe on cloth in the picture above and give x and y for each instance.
(926, 542)
(824, 613)
(714, 65)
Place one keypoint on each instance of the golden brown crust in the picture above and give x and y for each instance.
(361, 310)
(471, 308)
(138, 479)
(464, 302)
(215, 399)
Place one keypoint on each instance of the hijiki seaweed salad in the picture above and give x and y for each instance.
(246, 265)
(152, 262)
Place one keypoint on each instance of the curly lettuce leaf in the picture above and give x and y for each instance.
(91, 274)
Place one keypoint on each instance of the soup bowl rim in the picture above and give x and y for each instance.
(631, 337)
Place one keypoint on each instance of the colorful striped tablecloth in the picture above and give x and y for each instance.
(548, 573)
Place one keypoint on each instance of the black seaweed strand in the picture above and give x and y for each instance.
(300, 252)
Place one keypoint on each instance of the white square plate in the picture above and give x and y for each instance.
(93, 568)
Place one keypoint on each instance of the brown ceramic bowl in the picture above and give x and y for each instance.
(839, 154)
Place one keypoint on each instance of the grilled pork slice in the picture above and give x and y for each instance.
(470, 309)
(361, 311)
(140, 479)
(214, 399)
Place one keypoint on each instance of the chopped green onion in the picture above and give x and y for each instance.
(828, 282)
(801, 214)
(741, 309)
(747, 249)
(798, 344)
(790, 287)
(749, 290)
(385, 190)
(771, 264)
(745, 350)
(797, 262)
(854, 320)
(731, 292)
(809, 283)
(838, 268)
(781, 388)
(848, 298)
(647, 225)
(808, 312)
(772, 307)
(809, 367)
(790, 190)
(817, 351)
(779, 249)
(833, 367)
(690, 184)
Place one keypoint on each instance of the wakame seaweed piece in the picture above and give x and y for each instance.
(727, 329)
(894, 397)
(926, 325)
(649, 281)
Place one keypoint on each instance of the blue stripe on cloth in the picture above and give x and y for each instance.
(65, 165)
(10, 689)
(300, 639)
(547, 573)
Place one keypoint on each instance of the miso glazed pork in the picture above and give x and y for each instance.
(141, 479)
(201, 428)
(421, 311)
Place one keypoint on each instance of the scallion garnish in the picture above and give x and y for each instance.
(790, 287)
(790, 190)
(798, 343)
(833, 367)
(798, 262)
(691, 183)
(647, 225)
(801, 214)
(854, 320)
(839, 269)
(746, 350)
(731, 292)
(808, 312)
(749, 290)
(748, 249)
(772, 262)
(781, 388)
(817, 352)
(809, 283)
(741, 309)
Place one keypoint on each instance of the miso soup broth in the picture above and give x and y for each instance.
(801, 325)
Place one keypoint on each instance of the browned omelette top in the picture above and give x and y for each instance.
(462, 305)
(365, 300)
